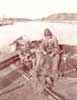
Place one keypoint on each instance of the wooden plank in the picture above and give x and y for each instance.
(9, 59)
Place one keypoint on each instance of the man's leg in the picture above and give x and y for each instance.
(55, 65)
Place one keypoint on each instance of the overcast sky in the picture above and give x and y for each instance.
(35, 8)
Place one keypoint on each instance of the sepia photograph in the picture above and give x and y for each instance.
(38, 50)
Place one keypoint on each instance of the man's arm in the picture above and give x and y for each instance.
(55, 47)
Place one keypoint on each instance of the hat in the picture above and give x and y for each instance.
(47, 32)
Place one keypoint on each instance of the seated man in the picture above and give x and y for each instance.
(25, 54)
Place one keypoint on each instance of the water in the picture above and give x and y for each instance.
(66, 33)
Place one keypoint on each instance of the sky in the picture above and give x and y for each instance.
(36, 8)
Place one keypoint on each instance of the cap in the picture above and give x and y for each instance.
(47, 32)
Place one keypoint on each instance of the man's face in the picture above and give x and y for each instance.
(46, 33)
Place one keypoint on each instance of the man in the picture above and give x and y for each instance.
(50, 48)
(25, 54)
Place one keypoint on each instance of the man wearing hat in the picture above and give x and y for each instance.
(50, 48)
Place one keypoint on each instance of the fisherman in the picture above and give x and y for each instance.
(51, 49)
(48, 59)
(24, 53)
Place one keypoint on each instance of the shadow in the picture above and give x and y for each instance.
(9, 79)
